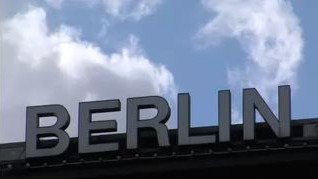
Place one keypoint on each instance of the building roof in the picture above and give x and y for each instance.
(237, 156)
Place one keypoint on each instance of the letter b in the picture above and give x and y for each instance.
(34, 131)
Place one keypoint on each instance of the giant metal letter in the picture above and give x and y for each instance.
(184, 114)
(87, 126)
(224, 108)
(134, 105)
(252, 100)
(34, 131)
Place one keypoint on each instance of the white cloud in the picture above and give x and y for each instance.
(130, 9)
(40, 66)
(119, 9)
(270, 34)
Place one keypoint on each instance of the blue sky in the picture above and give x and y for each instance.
(169, 42)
